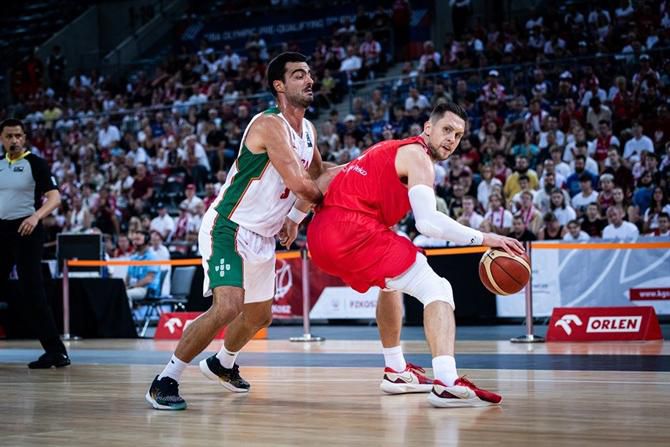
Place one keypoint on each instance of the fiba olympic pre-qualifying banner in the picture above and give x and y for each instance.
(578, 278)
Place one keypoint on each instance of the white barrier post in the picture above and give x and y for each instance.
(529, 337)
(66, 301)
(307, 336)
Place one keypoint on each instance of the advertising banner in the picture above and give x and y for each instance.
(595, 277)
(603, 324)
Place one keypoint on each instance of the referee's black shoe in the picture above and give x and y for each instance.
(50, 359)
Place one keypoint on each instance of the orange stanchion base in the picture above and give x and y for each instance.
(172, 324)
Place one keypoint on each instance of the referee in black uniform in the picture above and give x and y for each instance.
(24, 179)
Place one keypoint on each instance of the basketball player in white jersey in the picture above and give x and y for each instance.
(277, 161)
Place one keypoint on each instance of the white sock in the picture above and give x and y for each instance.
(394, 359)
(173, 369)
(444, 369)
(226, 357)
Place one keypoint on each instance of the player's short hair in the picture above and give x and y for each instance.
(12, 122)
(277, 67)
(444, 107)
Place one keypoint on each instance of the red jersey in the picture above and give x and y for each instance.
(370, 184)
(349, 236)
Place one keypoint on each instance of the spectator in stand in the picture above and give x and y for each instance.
(108, 135)
(429, 54)
(637, 144)
(575, 233)
(559, 208)
(574, 180)
(183, 223)
(587, 195)
(623, 176)
(535, 116)
(542, 198)
(210, 194)
(551, 128)
(485, 185)
(592, 223)
(582, 148)
(78, 218)
(492, 139)
(602, 143)
(142, 280)
(500, 169)
(520, 232)
(512, 185)
(659, 204)
(106, 214)
(597, 112)
(594, 91)
(416, 99)
(351, 65)
(646, 78)
(552, 229)
(642, 195)
(524, 184)
(532, 218)
(230, 61)
(549, 167)
(618, 228)
(663, 229)
(470, 217)
(142, 185)
(606, 195)
(497, 219)
(493, 88)
(191, 199)
(123, 248)
(161, 253)
(195, 158)
(523, 146)
(371, 50)
(163, 223)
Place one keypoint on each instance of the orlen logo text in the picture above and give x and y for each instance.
(614, 324)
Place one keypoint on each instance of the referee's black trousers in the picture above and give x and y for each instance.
(26, 253)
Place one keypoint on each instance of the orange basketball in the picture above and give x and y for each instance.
(503, 274)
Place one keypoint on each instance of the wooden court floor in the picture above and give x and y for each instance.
(326, 394)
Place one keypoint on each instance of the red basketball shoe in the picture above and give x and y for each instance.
(463, 394)
(411, 380)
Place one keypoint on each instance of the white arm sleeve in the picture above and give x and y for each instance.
(432, 223)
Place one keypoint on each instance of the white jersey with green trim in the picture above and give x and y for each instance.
(254, 195)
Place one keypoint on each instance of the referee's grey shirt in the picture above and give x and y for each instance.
(23, 182)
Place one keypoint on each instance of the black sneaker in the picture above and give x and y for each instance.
(228, 377)
(164, 395)
(49, 359)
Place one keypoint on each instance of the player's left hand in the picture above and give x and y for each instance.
(288, 233)
(28, 225)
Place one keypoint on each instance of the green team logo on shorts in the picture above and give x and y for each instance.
(222, 268)
(225, 265)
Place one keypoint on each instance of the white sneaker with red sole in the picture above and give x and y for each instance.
(463, 394)
(410, 380)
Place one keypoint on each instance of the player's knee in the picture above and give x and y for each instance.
(434, 289)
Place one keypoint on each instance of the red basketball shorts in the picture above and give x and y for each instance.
(358, 248)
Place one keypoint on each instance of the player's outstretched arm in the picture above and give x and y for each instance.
(273, 136)
(413, 163)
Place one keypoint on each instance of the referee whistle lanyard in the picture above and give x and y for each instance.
(20, 157)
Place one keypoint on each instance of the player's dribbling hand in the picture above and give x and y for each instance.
(511, 246)
(288, 233)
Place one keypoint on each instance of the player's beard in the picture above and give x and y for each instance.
(300, 99)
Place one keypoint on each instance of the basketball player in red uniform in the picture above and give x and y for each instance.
(350, 237)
